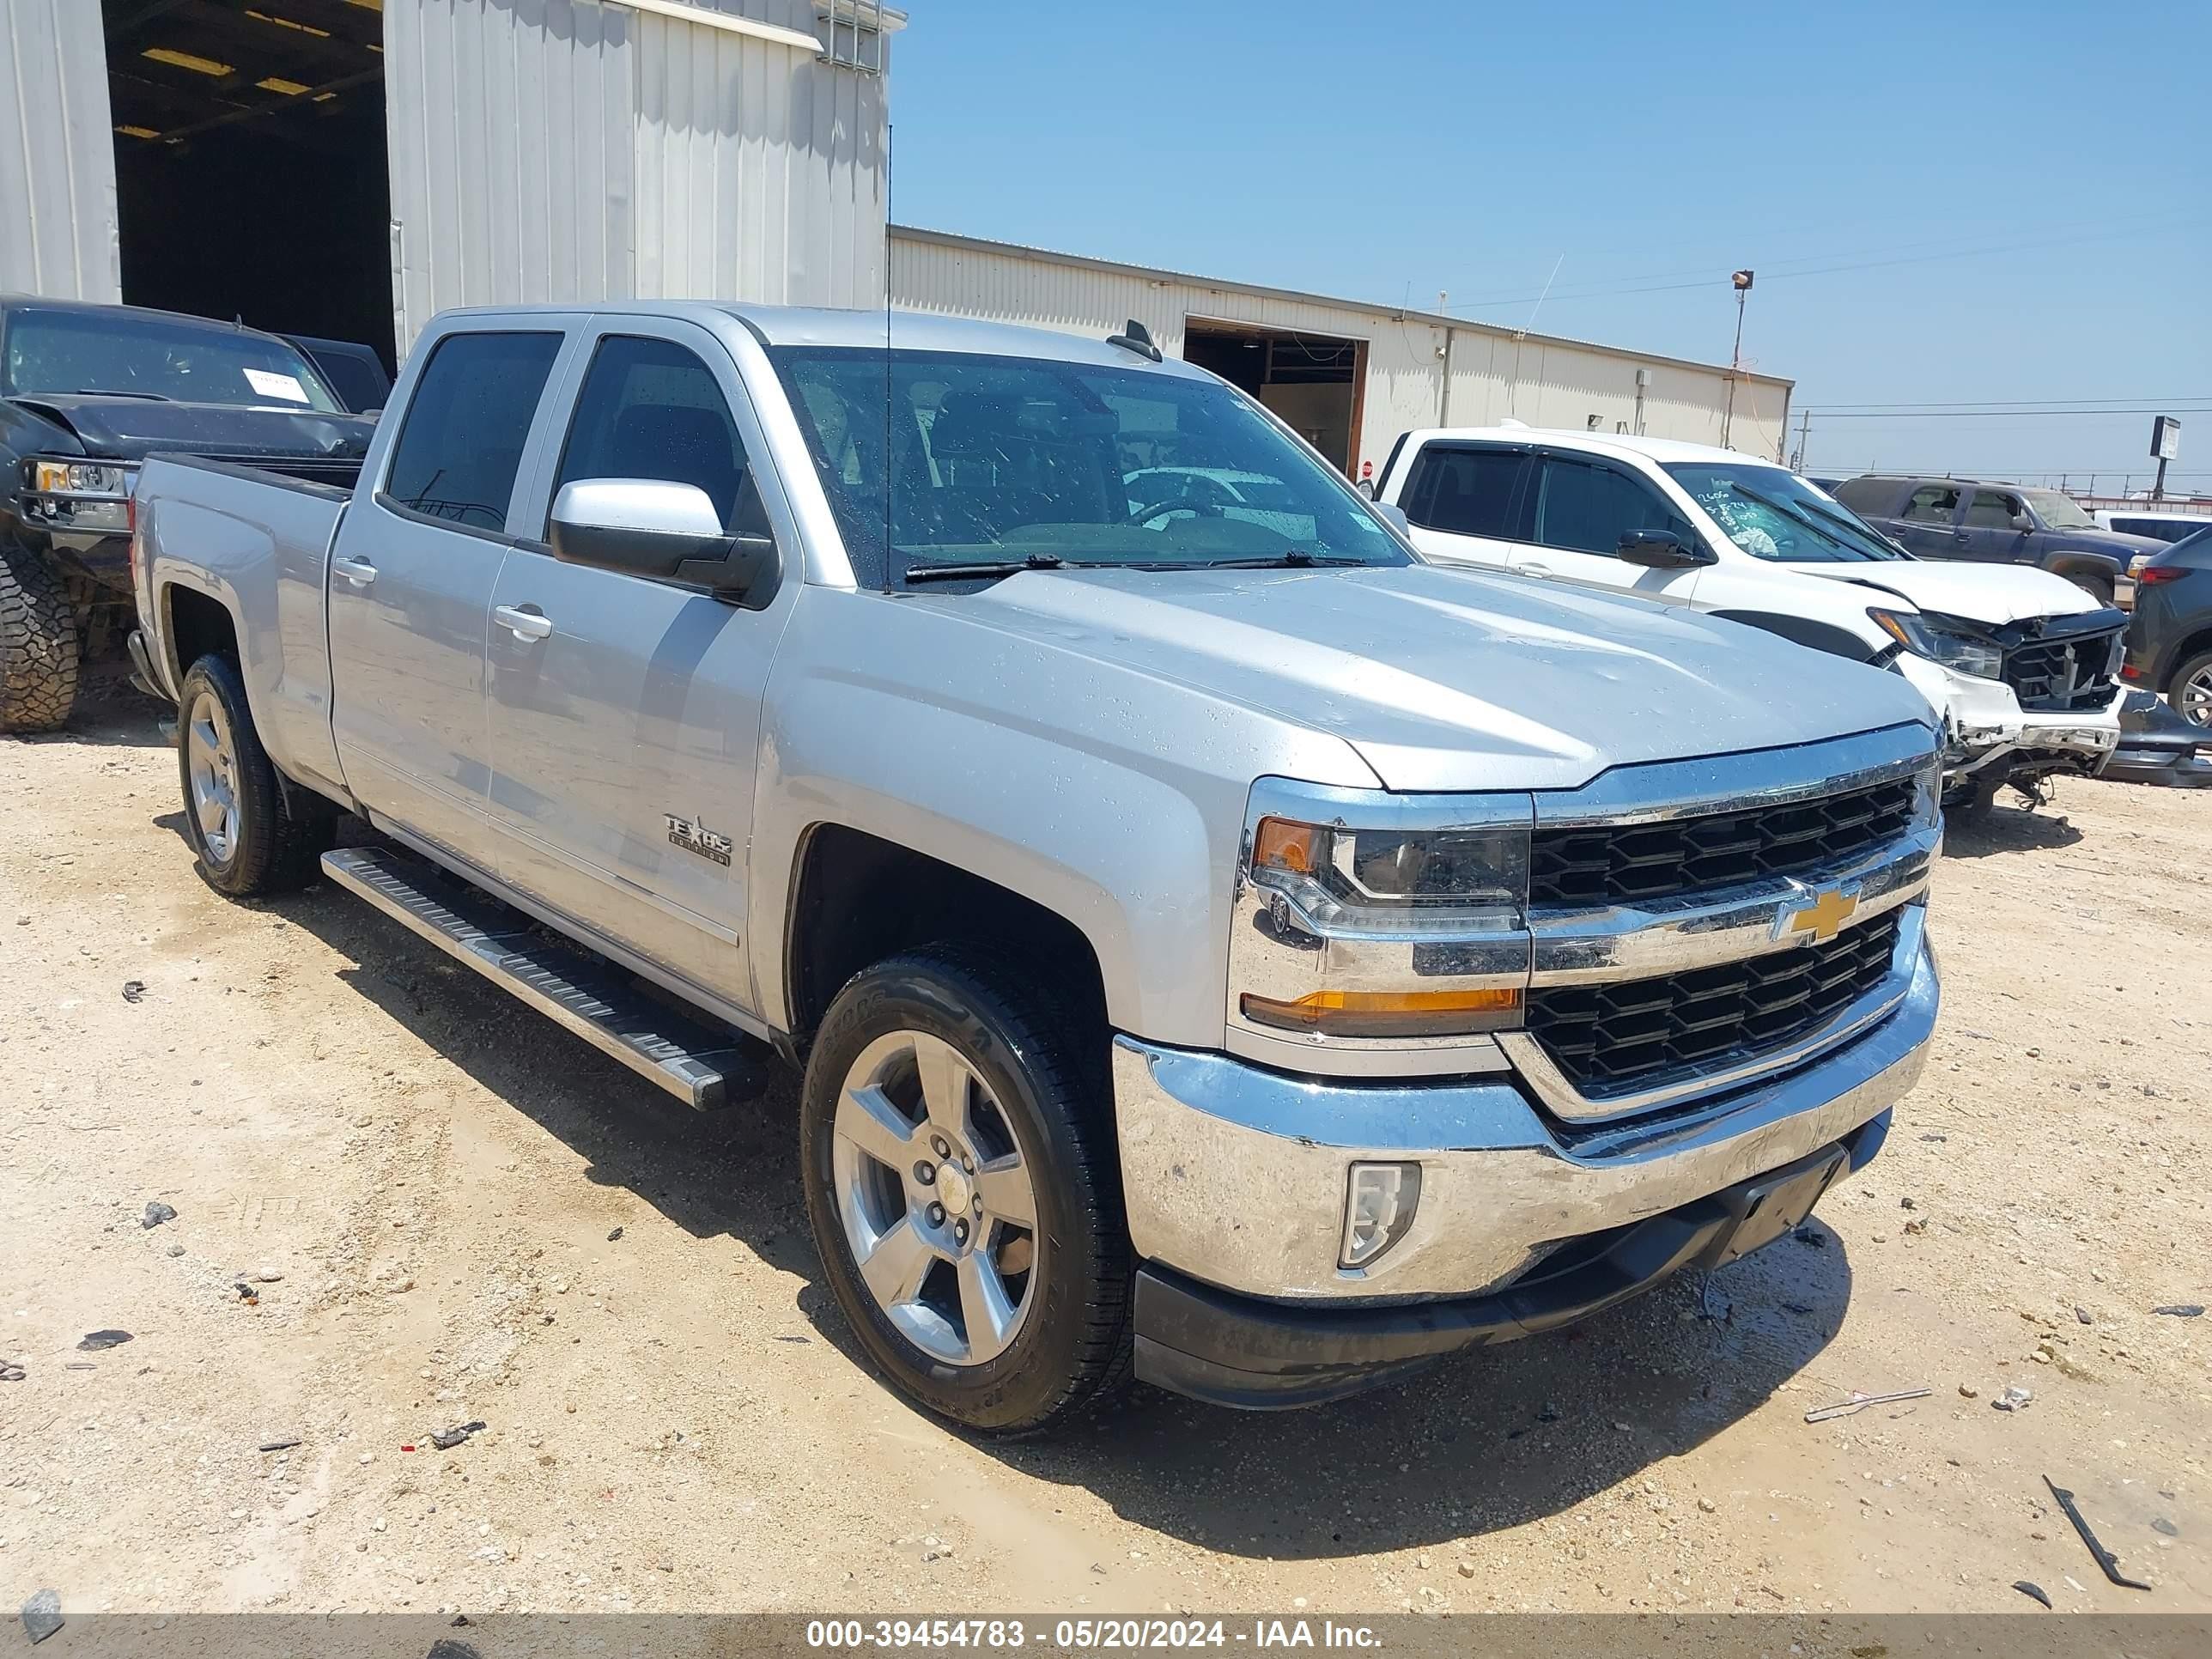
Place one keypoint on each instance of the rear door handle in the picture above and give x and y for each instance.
(1531, 568)
(359, 572)
(522, 624)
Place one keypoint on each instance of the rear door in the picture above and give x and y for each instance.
(411, 578)
(1465, 502)
(625, 711)
(1927, 523)
(1581, 507)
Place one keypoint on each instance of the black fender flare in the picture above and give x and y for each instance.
(1802, 630)
(2071, 561)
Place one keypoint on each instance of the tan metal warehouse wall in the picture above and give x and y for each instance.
(1494, 375)
(56, 153)
(558, 150)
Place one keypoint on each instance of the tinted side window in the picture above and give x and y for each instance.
(1931, 504)
(1467, 492)
(1991, 511)
(650, 409)
(1864, 495)
(467, 425)
(1587, 509)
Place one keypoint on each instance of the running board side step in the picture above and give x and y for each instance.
(702, 1065)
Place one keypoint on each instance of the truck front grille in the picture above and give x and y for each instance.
(1611, 1040)
(2061, 675)
(1630, 864)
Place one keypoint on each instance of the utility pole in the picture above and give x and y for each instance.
(1741, 281)
(1804, 431)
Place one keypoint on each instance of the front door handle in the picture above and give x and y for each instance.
(1531, 568)
(522, 624)
(359, 572)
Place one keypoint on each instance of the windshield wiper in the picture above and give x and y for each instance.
(112, 392)
(1858, 530)
(1296, 559)
(954, 573)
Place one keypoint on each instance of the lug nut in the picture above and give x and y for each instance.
(968, 1165)
(960, 1232)
(979, 1204)
(943, 1150)
(937, 1215)
(925, 1172)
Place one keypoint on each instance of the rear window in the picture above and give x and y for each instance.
(125, 354)
(1464, 491)
(1865, 495)
(467, 426)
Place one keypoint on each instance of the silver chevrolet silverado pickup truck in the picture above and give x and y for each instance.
(1221, 948)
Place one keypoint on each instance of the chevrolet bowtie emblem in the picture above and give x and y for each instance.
(1822, 920)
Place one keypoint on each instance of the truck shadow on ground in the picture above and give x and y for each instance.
(1484, 1441)
(2005, 829)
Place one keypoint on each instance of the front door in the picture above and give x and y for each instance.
(1463, 501)
(1994, 527)
(410, 586)
(625, 711)
(1582, 508)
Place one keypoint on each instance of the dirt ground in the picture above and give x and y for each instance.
(421, 1182)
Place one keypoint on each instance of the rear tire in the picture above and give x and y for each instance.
(946, 1093)
(38, 646)
(2190, 691)
(249, 838)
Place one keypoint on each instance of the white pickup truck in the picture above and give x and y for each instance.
(2021, 664)
(1221, 946)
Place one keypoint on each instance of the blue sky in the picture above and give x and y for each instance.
(2025, 189)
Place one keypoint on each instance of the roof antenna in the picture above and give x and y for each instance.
(891, 470)
(1135, 337)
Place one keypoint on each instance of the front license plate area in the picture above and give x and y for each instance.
(1774, 1204)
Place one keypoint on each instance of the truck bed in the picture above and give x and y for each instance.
(258, 539)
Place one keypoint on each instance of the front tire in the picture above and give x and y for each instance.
(249, 839)
(38, 646)
(2099, 588)
(2190, 691)
(962, 1183)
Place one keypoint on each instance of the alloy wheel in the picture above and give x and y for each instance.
(2193, 701)
(935, 1198)
(211, 763)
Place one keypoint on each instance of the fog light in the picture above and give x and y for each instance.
(1378, 1210)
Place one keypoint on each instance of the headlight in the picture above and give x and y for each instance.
(96, 478)
(1435, 894)
(1951, 645)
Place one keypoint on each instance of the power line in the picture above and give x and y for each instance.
(1984, 414)
(2003, 404)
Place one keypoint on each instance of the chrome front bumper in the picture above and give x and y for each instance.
(1236, 1176)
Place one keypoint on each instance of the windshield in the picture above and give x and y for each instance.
(1771, 513)
(2058, 511)
(1013, 460)
(56, 353)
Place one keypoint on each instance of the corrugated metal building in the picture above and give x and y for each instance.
(348, 167)
(1349, 374)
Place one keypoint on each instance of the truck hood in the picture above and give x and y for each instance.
(1450, 680)
(1994, 595)
(131, 429)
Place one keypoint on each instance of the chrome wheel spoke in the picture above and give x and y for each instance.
(987, 1313)
(895, 1267)
(1003, 1186)
(867, 1117)
(945, 1082)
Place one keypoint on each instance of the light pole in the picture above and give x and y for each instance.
(1741, 281)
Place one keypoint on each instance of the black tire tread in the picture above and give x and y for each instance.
(1038, 1014)
(38, 645)
(279, 849)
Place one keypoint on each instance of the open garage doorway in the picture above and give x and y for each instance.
(250, 171)
(1315, 382)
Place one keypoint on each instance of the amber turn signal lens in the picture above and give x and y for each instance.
(1388, 1013)
(1284, 844)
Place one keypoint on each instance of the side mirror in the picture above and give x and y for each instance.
(1662, 550)
(652, 527)
(1396, 515)
(2022, 520)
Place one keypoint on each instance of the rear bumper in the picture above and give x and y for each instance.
(1236, 1351)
